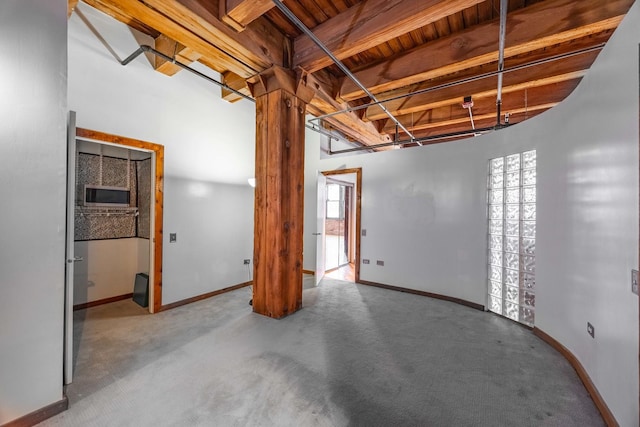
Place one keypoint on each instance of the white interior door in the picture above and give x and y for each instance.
(322, 201)
(70, 258)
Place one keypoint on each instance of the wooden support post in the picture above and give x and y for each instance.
(281, 101)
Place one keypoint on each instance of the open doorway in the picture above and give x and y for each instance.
(112, 223)
(342, 224)
(118, 212)
(156, 203)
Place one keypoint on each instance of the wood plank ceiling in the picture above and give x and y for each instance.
(423, 56)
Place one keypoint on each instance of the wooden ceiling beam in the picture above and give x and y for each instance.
(405, 106)
(530, 99)
(194, 26)
(557, 71)
(259, 47)
(542, 25)
(481, 123)
(71, 6)
(129, 10)
(114, 11)
(369, 24)
(175, 50)
(349, 124)
(236, 82)
(240, 13)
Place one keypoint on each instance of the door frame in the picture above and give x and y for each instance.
(358, 213)
(158, 150)
(321, 197)
(349, 219)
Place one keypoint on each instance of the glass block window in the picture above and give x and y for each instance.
(512, 236)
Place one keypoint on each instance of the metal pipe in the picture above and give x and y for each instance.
(321, 132)
(336, 61)
(332, 137)
(466, 80)
(504, 8)
(145, 48)
(95, 32)
(479, 131)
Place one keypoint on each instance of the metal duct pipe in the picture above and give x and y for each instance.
(466, 80)
(144, 48)
(336, 61)
(478, 131)
(504, 8)
(321, 132)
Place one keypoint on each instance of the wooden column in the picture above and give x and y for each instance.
(281, 101)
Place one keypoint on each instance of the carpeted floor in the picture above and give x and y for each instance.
(354, 355)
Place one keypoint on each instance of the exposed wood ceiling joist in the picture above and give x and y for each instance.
(529, 98)
(542, 25)
(240, 13)
(557, 71)
(175, 50)
(569, 62)
(71, 6)
(394, 47)
(368, 24)
(236, 82)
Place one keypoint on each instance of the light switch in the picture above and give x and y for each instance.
(173, 237)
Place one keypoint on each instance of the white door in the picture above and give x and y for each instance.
(322, 201)
(70, 256)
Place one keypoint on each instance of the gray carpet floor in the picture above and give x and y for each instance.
(353, 356)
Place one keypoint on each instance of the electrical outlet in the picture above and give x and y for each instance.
(378, 262)
(364, 232)
(590, 330)
(634, 281)
(247, 261)
(173, 237)
(365, 261)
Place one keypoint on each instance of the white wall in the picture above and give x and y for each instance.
(213, 223)
(209, 147)
(33, 69)
(109, 267)
(205, 137)
(417, 208)
(425, 214)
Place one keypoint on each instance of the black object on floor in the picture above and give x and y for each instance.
(141, 290)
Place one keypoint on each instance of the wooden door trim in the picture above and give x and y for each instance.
(357, 228)
(159, 198)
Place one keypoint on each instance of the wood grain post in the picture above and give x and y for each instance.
(281, 101)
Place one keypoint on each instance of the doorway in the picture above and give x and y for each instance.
(153, 211)
(157, 202)
(342, 224)
(112, 223)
